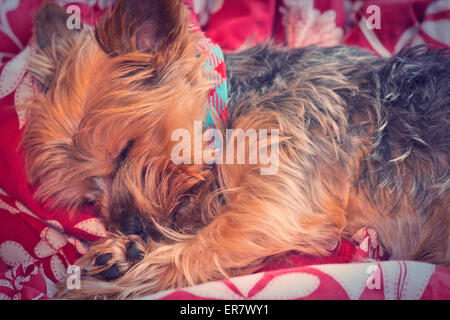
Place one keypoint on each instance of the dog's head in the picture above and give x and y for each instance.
(112, 95)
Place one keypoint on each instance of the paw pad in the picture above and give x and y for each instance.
(103, 259)
(112, 273)
(110, 259)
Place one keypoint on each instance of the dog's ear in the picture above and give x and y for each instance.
(55, 41)
(50, 25)
(148, 26)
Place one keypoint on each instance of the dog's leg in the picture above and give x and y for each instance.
(218, 251)
(235, 243)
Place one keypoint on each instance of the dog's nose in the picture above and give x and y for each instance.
(134, 224)
(131, 224)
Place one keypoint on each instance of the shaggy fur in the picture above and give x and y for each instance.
(364, 142)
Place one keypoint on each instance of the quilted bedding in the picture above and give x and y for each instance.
(37, 244)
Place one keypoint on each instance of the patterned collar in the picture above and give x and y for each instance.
(218, 95)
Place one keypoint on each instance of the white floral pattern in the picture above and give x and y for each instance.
(102, 4)
(5, 7)
(13, 72)
(401, 280)
(204, 8)
(52, 241)
(92, 226)
(305, 25)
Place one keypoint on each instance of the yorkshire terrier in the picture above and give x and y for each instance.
(362, 141)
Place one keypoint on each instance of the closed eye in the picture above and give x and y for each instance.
(123, 156)
(124, 153)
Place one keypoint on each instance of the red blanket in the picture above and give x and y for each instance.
(37, 245)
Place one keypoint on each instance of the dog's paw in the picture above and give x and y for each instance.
(113, 257)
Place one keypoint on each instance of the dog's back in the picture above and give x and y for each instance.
(404, 179)
(395, 133)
